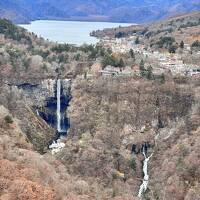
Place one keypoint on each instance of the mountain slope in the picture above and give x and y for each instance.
(112, 121)
(122, 11)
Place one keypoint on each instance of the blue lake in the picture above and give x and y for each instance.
(72, 32)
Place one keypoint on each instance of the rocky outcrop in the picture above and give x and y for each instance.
(37, 131)
(41, 98)
(37, 94)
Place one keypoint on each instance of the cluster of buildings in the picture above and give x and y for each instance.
(113, 71)
(117, 45)
(175, 64)
(165, 62)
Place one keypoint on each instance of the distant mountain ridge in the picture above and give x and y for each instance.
(138, 11)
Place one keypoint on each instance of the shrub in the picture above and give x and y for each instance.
(77, 56)
(110, 60)
(182, 45)
(121, 63)
(162, 78)
(132, 164)
(8, 119)
(26, 64)
(196, 45)
(165, 42)
(44, 67)
(120, 35)
(132, 54)
(149, 74)
(87, 48)
(61, 48)
(142, 65)
(142, 68)
(137, 41)
(172, 49)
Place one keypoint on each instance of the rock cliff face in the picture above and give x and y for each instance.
(42, 97)
(36, 103)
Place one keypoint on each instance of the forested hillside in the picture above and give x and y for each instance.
(116, 122)
(121, 11)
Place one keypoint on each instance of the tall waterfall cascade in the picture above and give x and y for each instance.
(58, 112)
(58, 145)
(56, 96)
(143, 186)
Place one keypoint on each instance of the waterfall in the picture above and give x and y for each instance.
(58, 145)
(143, 186)
(37, 112)
(58, 112)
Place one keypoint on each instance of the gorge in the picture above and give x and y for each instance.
(54, 111)
(129, 137)
(50, 99)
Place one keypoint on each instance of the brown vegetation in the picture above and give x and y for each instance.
(108, 115)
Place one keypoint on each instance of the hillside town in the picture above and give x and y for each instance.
(162, 61)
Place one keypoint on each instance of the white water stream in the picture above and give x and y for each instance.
(58, 145)
(37, 112)
(58, 106)
(143, 186)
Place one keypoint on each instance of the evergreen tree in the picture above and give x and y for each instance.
(172, 49)
(132, 54)
(149, 73)
(121, 63)
(196, 45)
(182, 45)
(162, 78)
(137, 41)
(142, 68)
(142, 65)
